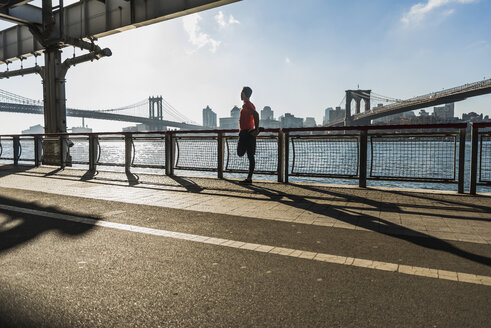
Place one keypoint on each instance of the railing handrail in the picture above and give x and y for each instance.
(312, 129)
(130, 133)
(215, 131)
(88, 134)
(480, 125)
(381, 127)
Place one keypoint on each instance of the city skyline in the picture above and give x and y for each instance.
(298, 58)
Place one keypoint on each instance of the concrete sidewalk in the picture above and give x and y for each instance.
(442, 215)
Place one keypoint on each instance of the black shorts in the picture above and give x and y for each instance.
(247, 143)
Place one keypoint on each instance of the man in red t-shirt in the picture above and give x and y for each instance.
(248, 130)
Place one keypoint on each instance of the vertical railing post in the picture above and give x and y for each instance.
(460, 181)
(363, 158)
(128, 147)
(63, 151)
(287, 154)
(474, 151)
(16, 141)
(38, 150)
(281, 156)
(169, 154)
(93, 141)
(221, 154)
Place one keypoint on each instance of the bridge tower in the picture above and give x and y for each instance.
(357, 96)
(155, 103)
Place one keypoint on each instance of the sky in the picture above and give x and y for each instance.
(298, 57)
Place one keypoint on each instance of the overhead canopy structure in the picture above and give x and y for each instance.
(85, 19)
(49, 28)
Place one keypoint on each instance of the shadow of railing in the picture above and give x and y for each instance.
(351, 214)
(370, 222)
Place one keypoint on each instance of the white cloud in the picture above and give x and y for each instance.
(419, 11)
(287, 60)
(220, 19)
(196, 36)
(232, 20)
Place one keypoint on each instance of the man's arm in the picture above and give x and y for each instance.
(256, 123)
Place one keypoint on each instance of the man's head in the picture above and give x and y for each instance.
(246, 92)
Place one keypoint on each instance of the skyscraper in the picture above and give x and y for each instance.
(209, 118)
(267, 113)
(326, 115)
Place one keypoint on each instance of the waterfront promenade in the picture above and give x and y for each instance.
(133, 250)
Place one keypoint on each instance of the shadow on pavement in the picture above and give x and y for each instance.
(17, 228)
(8, 169)
(370, 222)
(133, 179)
(346, 213)
(188, 184)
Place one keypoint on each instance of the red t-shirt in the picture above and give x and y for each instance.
(246, 120)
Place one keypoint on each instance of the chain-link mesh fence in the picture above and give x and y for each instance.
(485, 159)
(414, 157)
(330, 156)
(197, 153)
(111, 151)
(80, 150)
(7, 148)
(26, 151)
(149, 152)
(266, 157)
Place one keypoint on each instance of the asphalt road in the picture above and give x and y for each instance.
(56, 273)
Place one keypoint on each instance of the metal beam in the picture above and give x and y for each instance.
(26, 15)
(96, 19)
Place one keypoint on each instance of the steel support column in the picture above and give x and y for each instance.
(281, 156)
(474, 153)
(363, 158)
(460, 180)
(221, 154)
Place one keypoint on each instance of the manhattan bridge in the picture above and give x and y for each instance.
(155, 112)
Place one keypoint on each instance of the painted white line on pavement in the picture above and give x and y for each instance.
(322, 257)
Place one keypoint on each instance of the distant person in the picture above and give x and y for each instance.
(248, 130)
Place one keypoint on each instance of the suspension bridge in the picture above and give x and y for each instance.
(397, 106)
(155, 112)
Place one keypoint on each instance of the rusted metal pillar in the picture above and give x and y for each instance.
(93, 149)
(16, 145)
(287, 154)
(128, 151)
(281, 156)
(38, 150)
(169, 153)
(474, 152)
(363, 158)
(221, 154)
(460, 182)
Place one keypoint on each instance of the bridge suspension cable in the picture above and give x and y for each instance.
(380, 97)
(169, 109)
(11, 98)
(342, 101)
(132, 106)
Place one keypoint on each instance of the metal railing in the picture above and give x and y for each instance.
(397, 152)
(480, 156)
(373, 153)
(216, 151)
